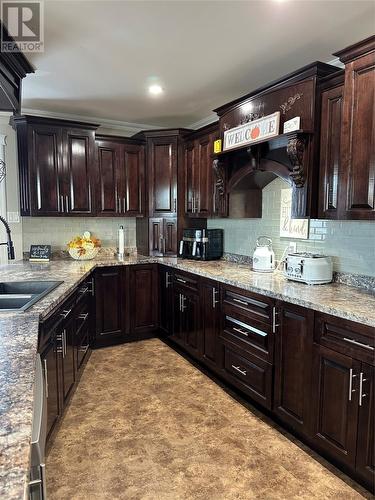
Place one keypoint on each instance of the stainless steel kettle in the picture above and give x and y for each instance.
(264, 256)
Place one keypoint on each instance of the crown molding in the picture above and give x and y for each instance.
(127, 128)
(336, 62)
(205, 121)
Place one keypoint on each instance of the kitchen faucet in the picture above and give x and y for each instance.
(9, 243)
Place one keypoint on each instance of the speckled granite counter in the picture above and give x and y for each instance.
(19, 335)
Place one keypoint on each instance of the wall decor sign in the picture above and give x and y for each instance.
(291, 228)
(252, 132)
(217, 146)
(292, 124)
(40, 253)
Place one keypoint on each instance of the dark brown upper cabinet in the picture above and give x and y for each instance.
(199, 173)
(330, 145)
(121, 187)
(292, 156)
(13, 68)
(162, 175)
(357, 198)
(57, 166)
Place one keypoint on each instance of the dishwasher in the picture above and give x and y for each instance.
(37, 480)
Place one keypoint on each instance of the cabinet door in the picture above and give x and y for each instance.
(293, 351)
(189, 178)
(335, 404)
(204, 182)
(365, 462)
(162, 171)
(166, 300)
(133, 180)
(169, 237)
(79, 170)
(190, 306)
(178, 333)
(330, 151)
(210, 311)
(49, 361)
(110, 306)
(143, 299)
(46, 170)
(67, 354)
(358, 139)
(156, 231)
(108, 159)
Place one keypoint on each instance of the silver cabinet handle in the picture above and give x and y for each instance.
(65, 347)
(355, 342)
(241, 302)
(197, 206)
(167, 282)
(67, 203)
(84, 348)
(214, 301)
(183, 306)
(180, 280)
(83, 316)
(361, 395)
(124, 205)
(46, 376)
(179, 295)
(83, 290)
(240, 331)
(274, 324)
(92, 283)
(161, 244)
(65, 313)
(61, 203)
(175, 204)
(351, 390)
(238, 369)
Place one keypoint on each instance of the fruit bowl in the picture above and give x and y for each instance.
(78, 254)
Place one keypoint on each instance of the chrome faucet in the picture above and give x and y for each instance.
(9, 243)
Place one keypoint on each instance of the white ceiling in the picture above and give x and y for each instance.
(100, 56)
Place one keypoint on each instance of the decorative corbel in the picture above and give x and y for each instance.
(219, 176)
(295, 151)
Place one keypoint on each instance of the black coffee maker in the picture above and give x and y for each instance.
(201, 244)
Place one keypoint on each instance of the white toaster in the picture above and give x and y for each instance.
(313, 269)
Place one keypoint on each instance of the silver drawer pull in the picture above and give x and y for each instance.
(84, 348)
(240, 331)
(351, 390)
(355, 342)
(83, 316)
(84, 290)
(180, 280)
(361, 395)
(65, 313)
(241, 302)
(248, 327)
(238, 369)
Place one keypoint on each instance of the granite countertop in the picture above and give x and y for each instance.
(19, 335)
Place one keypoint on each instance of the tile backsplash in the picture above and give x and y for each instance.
(57, 231)
(350, 243)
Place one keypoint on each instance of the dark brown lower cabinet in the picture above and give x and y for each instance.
(186, 320)
(110, 323)
(49, 362)
(335, 387)
(143, 300)
(66, 352)
(210, 322)
(293, 351)
(365, 462)
(165, 300)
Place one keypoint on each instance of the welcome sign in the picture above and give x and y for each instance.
(251, 132)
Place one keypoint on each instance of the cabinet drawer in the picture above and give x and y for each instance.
(186, 280)
(247, 303)
(250, 335)
(252, 375)
(347, 337)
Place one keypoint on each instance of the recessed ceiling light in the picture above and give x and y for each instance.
(155, 89)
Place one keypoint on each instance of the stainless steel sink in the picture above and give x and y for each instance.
(20, 295)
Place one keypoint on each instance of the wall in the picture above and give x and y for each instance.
(57, 231)
(12, 180)
(350, 243)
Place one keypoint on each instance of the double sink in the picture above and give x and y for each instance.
(20, 295)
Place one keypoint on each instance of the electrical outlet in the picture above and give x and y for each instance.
(13, 217)
(292, 247)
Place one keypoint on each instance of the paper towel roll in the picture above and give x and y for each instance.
(121, 240)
